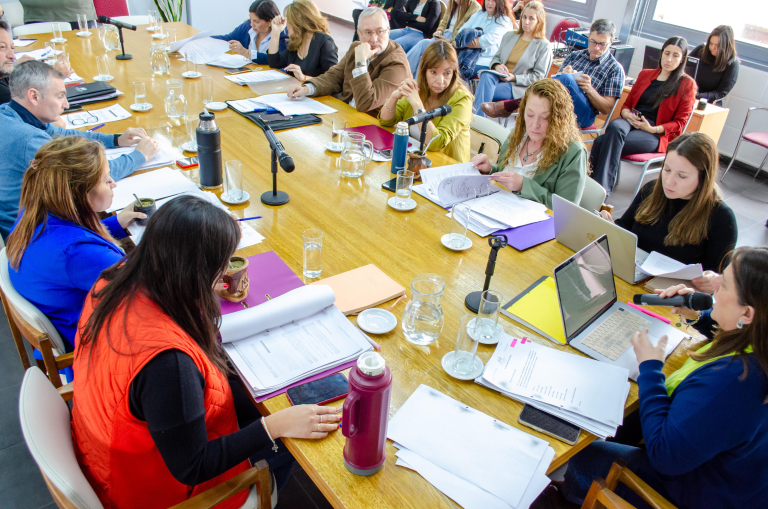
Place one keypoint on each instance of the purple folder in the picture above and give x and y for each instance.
(523, 237)
(269, 275)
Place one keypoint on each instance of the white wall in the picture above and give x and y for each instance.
(142, 7)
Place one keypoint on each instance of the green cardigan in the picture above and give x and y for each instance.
(565, 178)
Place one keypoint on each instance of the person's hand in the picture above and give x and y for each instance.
(303, 421)
(363, 52)
(236, 47)
(704, 283)
(132, 136)
(481, 163)
(296, 70)
(278, 25)
(296, 91)
(127, 216)
(509, 179)
(421, 19)
(23, 58)
(500, 68)
(148, 147)
(518, 5)
(508, 78)
(411, 93)
(567, 70)
(62, 65)
(641, 123)
(680, 289)
(644, 350)
(438, 34)
(585, 82)
(474, 43)
(606, 215)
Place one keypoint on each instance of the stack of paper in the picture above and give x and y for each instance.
(176, 46)
(160, 159)
(290, 338)
(157, 184)
(474, 459)
(95, 117)
(207, 50)
(256, 77)
(72, 79)
(301, 106)
(659, 265)
(588, 393)
(248, 105)
(432, 177)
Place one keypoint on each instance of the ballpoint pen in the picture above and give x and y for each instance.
(249, 218)
(96, 127)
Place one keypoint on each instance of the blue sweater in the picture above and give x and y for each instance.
(708, 442)
(60, 266)
(241, 35)
(19, 142)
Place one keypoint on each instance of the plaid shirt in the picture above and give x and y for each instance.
(606, 72)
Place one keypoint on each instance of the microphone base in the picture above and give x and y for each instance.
(472, 301)
(274, 198)
(124, 57)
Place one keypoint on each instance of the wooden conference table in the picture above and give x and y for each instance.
(359, 228)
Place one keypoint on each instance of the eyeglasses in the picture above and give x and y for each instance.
(379, 33)
(89, 119)
(596, 44)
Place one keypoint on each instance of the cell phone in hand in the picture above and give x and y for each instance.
(549, 424)
(319, 392)
(637, 113)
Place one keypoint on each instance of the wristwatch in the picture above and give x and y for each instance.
(359, 64)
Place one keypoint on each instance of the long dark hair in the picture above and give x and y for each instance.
(184, 250)
(265, 10)
(750, 278)
(726, 48)
(671, 86)
(502, 10)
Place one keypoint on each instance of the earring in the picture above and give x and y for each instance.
(739, 324)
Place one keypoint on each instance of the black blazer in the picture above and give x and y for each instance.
(322, 55)
(432, 11)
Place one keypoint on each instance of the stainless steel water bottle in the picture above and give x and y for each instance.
(209, 151)
(400, 147)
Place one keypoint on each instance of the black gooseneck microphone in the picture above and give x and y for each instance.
(286, 163)
(429, 115)
(117, 23)
(696, 301)
(275, 197)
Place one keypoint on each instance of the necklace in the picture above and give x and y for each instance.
(528, 154)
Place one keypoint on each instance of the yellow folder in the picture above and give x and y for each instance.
(539, 309)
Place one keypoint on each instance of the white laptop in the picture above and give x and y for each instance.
(575, 227)
(595, 323)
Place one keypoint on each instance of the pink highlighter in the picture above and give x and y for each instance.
(649, 313)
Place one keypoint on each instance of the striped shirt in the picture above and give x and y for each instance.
(606, 72)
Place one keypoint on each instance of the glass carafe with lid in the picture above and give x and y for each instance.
(175, 102)
(158, 58)
(423, 319)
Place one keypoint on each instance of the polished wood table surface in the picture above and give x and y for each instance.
(359, 228)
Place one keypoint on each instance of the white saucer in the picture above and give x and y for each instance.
(376, 321)
(59, 40)
(410, 204)
(225, 198)
(189, 147)
(334, 147)
(191, 74)
(444, 240)
(447, 364)
(83, 34)
(493, 339)
(159, 36)
(216, 106)
(143, 107)
(151, 28)
(107, 78)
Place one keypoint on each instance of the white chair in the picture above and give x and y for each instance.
(593, 196)
(593, 129)
(756, 137)
(45, 423)
(14, 13)
(39, 28)
(133, 20)
(487, 134)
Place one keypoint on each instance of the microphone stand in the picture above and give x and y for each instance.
(274, 197)
(124, 56)
(422, 141)
(472, 300)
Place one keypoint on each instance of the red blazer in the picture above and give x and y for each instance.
(673, 111)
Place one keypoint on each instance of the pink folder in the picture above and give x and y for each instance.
(381, 139)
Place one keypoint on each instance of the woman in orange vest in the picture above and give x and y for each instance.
(154, 417)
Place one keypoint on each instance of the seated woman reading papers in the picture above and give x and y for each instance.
(253, 37)
(169, 412)
(705, 426)
(681, 214)
(544, 155)
(57, 247)
(438, 83)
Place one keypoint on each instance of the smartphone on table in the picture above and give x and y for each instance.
(390, 185)
(187, 162)
(238, 71)
(549, 424)
(319, 392)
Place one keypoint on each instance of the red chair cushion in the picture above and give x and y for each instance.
(593, 127)
(759, 138)
(643, 158)
(111, 8)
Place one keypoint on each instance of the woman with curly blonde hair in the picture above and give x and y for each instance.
(544, 155)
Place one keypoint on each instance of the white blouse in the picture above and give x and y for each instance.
(515, 165)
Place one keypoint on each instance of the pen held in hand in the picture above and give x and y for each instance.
(96, 127)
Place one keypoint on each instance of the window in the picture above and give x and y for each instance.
(583, 10)
(694, 19)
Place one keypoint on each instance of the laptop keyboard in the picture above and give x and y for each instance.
(611, 338)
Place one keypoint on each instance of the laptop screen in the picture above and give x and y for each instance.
(585, 286)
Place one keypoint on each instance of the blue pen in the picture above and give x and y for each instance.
(97, 127)
(249, 218)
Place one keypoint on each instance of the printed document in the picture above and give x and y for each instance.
(176, 46)
(659, 265)
(505, 207)
(431, 178)
(156, 184)
(160, 159)
(256, 77)
(204, 50)
(95, 117)
(301, 106)
(248, 105)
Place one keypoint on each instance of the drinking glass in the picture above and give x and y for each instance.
(140, 97)
(338, 125)
(82, 23)
(102, 32)
(170, 38)
(152, 21)
(56, 29)
(486, 325)
(50, 58)
(313, 253)
(111, 38)
(464, 358)
(403, 189)
(192, 122)
(207, 88)
(233, 178)
(460, 215)
(159, 32)
(102, 65)
(192, 71)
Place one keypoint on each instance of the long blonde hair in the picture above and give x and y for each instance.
(305, 18)
(58, 181)
(433, 57)
(541, 18)
(561, 130)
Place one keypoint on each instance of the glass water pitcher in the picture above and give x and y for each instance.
(423, 317)
(158, 58)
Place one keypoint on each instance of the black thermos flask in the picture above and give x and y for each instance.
(209, 151)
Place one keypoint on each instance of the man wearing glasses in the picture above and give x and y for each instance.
(370, 71)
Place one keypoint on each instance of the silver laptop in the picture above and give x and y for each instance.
(594, 321)
(575, 227)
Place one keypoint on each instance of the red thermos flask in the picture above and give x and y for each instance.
(365, 415)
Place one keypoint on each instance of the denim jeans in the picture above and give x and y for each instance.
(490, 89)
(620, 139)
(407, 37)
(415, 54)
(585, 115)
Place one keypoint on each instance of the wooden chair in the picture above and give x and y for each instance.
(601, 493)
(28, 322)
(45, 423)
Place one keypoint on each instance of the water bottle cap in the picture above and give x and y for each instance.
(402, 125)
(371, 363)
(206, 115)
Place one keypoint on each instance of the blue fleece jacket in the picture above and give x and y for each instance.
(20, 140)
(708, 442)
(241, 35)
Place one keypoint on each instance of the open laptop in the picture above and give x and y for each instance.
(575, 227)
(594, 321)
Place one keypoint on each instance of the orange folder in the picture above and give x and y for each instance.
(362, 288)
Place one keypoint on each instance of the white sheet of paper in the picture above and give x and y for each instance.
(431, 177)
(176, 46)
(249, 236)
(301, 106)
(246, 105)
(160, 159)
(509, 209)
(468, 443)
(157, 184)
(204, 50)
(453, 190)
(256, 77)
(72, 78)
(20, 43)
(103, 116)
(228, 61)
(38, 54)
(659, 265)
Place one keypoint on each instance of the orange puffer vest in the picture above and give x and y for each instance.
(114, 449)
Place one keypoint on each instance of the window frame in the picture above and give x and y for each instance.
(572, 9)
(750, 55)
